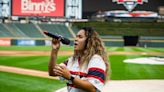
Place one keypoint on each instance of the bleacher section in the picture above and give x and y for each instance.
(60, 29)
(125, 28)
(18, 30)
(15, 30)
(111, 33)
(75, 29)
(150, 34)
(30, 30)
(5, 32)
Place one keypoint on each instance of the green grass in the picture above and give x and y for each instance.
(30, 62)
(120, 70)
(134, 49)
(34, 48)
(70, 48)
(10, 82)
(127, 71)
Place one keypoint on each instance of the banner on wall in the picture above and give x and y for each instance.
(54, 8)
(130, 4)
(5, 42)
(48, 42)
(26, 42)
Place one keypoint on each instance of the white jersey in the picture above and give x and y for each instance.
(94, 73)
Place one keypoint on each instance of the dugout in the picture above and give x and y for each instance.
(131, 40)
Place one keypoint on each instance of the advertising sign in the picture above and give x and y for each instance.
(26, 42)
(38, 8)
(5, 42)
(130, 4)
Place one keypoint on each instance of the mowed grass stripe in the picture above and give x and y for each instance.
(10, 82)
(120, 70)
(127, 49)
(28, 48)
(70, 48)
(120, 49)
(145, 50)
(124, 71)
(157, 49)
(149, 49)
(117, 67)
(34, 48)
(29, 62)
(110, 49)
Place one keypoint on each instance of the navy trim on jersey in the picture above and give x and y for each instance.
(97, 73)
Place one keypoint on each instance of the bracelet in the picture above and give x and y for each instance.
(71, 79)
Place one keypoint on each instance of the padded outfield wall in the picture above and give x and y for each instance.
(108, 42)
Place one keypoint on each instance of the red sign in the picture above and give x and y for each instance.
(38, 8)
(138, 1)
(5, 42)
(130, 4)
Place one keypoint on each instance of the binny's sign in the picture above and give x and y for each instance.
(130, 4)
(38, 8)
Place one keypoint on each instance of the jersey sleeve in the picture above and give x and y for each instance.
(96, 72)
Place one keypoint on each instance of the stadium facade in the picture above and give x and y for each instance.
(92, 6)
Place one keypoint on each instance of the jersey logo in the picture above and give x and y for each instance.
(130, 4)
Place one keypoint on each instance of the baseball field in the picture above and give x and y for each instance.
(37, 57)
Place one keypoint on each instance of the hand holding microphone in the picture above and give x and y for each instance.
(62, 39)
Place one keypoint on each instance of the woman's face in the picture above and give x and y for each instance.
(80, 41)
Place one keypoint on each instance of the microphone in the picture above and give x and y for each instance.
(62, 39)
